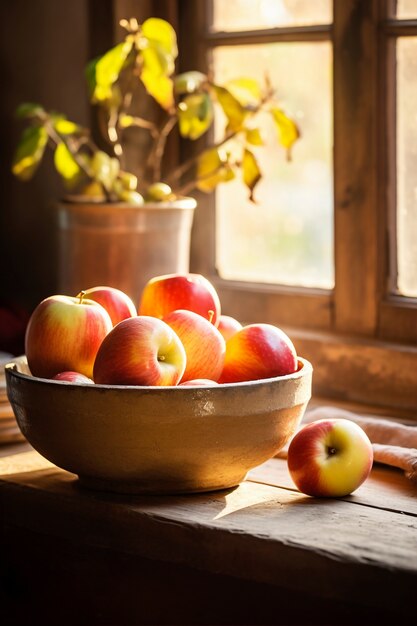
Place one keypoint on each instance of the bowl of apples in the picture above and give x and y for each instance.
(171, 397)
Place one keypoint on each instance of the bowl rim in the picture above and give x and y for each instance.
(305, 368)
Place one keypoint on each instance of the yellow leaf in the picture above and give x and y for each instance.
(288, 131)
(159, 86)
(159, 32)
(108, 68)
(246, 90)
(66, 164)
(254, 137)
(65, 127)
(212, 169)
(232, 108)
(251, 172)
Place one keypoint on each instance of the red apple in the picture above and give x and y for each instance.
(198, 382)
(64, 334)
(171, 292)
(203, 343)
(140, 350)
(258, 351)
(330, 457)
(117, 303)
(228, 326)
(73, 377)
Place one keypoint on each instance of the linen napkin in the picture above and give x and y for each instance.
(393, 443)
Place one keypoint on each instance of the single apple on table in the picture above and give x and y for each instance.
(228, 326)
(140, 350)
(330, 457)
(73, 377)
(64, 334)
(171, 292)
(203, 343)
(116, 302)
(258, 351)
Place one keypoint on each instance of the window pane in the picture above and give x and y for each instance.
(407, 165)
(232, 15)
(406, 9)
(287, 238)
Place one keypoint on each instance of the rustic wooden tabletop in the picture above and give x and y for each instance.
(326, 561)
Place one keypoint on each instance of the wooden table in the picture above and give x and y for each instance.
(258, 554)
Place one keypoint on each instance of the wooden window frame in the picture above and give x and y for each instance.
(360, 337)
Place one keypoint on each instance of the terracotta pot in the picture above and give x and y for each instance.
(121, 245)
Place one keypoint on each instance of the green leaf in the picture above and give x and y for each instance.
(108, 68)
(251, 172)
(212, 169)
(254, 137)
(246, 90)
(66, 164)
(29, 152)
(65, 127)
(232, 108)
(288, 131)
(195, 115)
(29, 109)
(160, 34)
(90, 74)
(189, 82)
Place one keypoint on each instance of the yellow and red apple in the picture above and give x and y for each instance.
(203, 343)
(228, 326)
(330, 458)
(64, 334)
(198, 382)
(73, 377)
(116, 302)
(140, 350)
(258, 351)
(171, 292)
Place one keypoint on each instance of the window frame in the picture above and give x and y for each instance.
(360, 337)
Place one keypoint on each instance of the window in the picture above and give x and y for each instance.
(350, 305)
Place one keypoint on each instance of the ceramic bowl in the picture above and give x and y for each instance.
(158, 439)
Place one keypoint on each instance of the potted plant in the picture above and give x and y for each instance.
(118, 226)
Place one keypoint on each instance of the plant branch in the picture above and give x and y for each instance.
(178, 172)
(157, 152)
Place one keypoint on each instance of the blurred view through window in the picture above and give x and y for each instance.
(407, 163)
(287, 237)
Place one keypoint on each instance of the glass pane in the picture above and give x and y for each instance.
(232, 15)
(407, 165)
(406, 9)
(287, 238)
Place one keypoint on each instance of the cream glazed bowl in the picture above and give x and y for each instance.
(158, 440)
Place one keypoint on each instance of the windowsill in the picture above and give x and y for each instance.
(263, 536)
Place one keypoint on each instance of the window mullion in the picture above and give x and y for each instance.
(355, 165)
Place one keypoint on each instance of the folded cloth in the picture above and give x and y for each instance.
(393, 443)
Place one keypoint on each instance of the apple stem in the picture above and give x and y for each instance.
(331, 451)
(210, 315)
(81, 296)
(161, 357)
